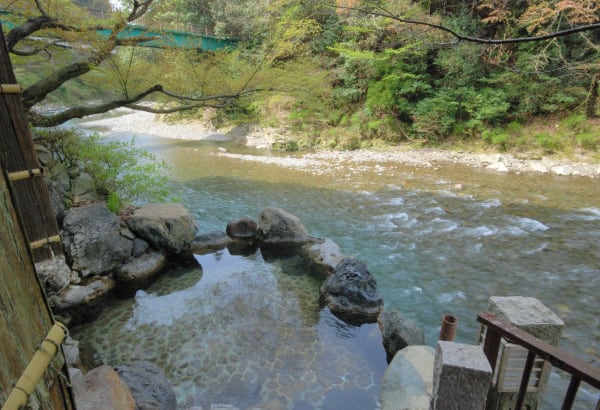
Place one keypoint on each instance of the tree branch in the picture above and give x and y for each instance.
(220, 100)
(459, 37)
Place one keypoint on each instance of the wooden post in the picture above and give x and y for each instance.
(17, 155)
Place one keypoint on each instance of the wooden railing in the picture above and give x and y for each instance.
(578, 369)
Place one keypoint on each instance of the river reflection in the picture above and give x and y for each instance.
(437, 241)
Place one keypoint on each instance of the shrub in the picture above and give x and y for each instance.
(549, 142)
(123, 173)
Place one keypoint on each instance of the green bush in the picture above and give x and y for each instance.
(123, 173)
(589, 140)
(549, 142)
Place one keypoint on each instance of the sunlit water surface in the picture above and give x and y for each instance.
(248, 332)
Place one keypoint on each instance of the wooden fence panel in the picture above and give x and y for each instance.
(17, 153)
(25, 317)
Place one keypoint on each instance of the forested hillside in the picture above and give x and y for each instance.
(351, 73)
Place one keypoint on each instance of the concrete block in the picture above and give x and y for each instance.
(461, 377)
(528, 314)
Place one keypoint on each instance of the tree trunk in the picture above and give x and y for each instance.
(591, 106)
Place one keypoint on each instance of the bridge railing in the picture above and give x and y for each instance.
(578, 369)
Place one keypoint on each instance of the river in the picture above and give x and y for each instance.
(247, 331)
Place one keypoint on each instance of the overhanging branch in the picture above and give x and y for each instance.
(459, 37)
(216, 101)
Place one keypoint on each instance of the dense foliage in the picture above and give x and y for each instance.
(350, 73)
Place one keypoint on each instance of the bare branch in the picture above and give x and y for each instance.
(459, 37)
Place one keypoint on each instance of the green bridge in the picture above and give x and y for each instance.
(173, 38)
(163, 38)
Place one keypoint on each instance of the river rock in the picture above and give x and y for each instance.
(210, 241)
(83, 302)
(54, 273)
(245, 228)
(149, 386)
(350, 292)
(70, 348)
(323, 256)
(101, 388)
(139, 272)
(92, 240)
(564, 170)
(56, 201)
(398, 332)
(407, 383)
(166, 226)
(276, 226)
(83, 189)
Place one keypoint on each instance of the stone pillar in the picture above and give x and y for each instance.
(461, 377)
(530, 315)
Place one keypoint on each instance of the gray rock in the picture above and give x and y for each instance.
(60, 177)
(83, 189)
(56, 201)
(101, 388)
(54, 273)
(139, 272)
(276, 226)
(149, 386)
(82, 302)
(165, 225)
(92, 240)
(398, 332)
(210, 241)
(323, 256)
(71, 349)
(245, 228)
(407, 383)
(140, 247)
(498, 167)
(351, 292)
(564, 170)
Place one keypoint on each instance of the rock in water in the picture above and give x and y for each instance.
(149, 386)
(350, 292)
(398, 332)
(276, 226)
(165, 225)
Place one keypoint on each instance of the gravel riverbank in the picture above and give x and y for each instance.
(138, 122)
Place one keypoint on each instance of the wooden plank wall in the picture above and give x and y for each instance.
(17, 153)
(25, 318)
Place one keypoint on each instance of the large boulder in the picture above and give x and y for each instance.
(276, 226)
(165, 225)
(54, 273)
(398, 332)
(150, 388)
(350, 292)
(92, 240)
(101, 388)
(139, 272)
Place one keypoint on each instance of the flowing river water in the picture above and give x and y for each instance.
(249, 332)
